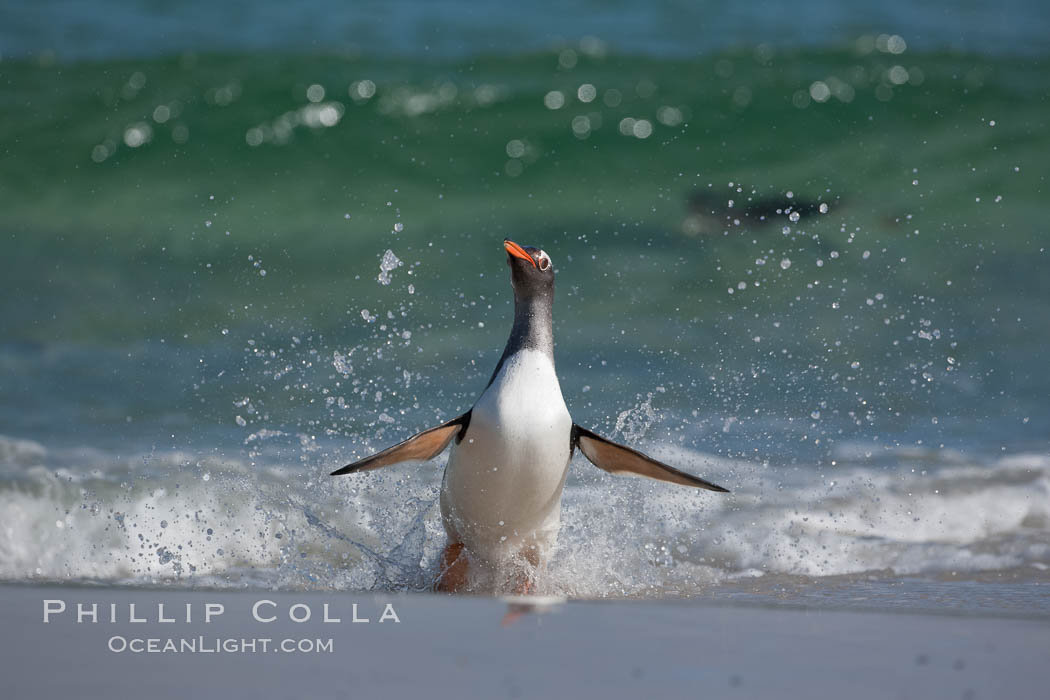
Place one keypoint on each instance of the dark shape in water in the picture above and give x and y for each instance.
(711, 213)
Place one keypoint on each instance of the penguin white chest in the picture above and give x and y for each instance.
(503, 483)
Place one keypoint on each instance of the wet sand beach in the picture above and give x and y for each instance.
(452, 647)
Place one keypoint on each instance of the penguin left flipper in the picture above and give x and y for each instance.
(618, 459)
(418, 448)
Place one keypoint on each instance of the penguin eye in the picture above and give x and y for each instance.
(544, 262)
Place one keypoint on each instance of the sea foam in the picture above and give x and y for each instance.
(173, 519)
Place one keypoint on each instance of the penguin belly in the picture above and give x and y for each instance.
(503, 483)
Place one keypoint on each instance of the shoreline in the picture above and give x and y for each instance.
(1008, 594)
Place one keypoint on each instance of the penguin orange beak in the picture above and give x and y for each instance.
(517, 251)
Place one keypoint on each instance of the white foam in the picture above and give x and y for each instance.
(81, 515)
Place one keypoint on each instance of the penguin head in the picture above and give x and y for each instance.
(531, 270)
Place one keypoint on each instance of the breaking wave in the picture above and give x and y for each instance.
(175, 519)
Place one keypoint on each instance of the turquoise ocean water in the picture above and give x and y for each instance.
(802, 255)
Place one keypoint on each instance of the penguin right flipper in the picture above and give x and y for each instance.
(618, 459)
(418, 448)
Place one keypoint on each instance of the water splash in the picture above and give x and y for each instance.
(389, 263)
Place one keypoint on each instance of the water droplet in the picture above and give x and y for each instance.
(386, 265)
(567, 59)
(554, 100)
(515, 148)
(785, 264)
(581, 126)
(138, 134)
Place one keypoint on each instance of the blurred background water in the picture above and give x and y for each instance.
(799, 250)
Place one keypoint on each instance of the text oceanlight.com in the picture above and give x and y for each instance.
(204, 645)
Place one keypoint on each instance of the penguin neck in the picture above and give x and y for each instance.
(533, 329)
(533, 326)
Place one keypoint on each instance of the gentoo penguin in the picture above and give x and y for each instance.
(501, 492)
